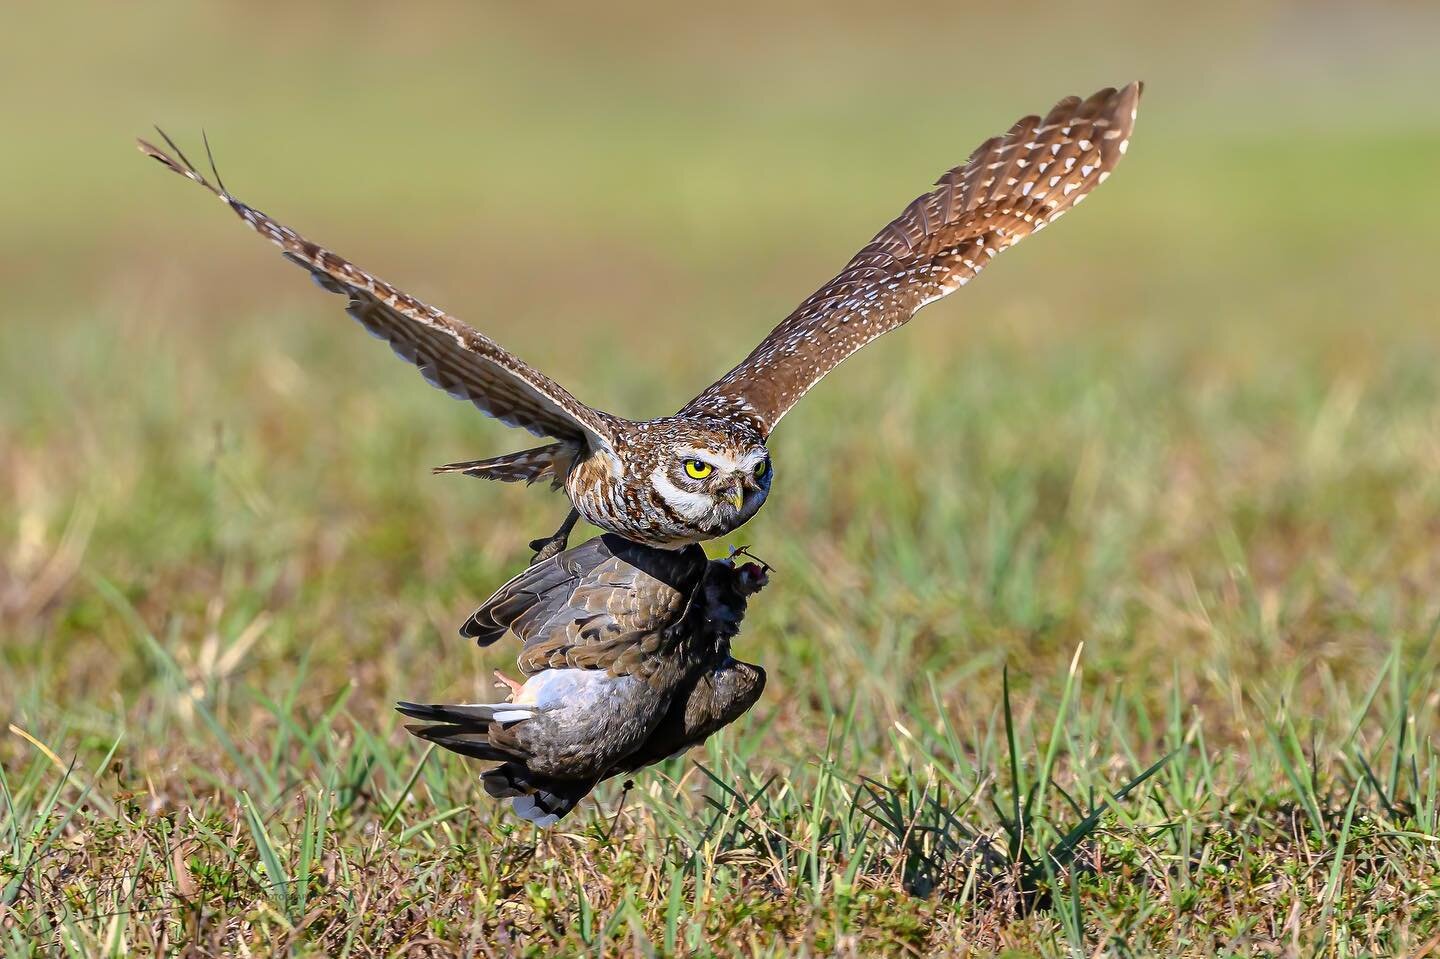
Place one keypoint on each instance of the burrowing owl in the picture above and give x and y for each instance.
(627, 662)
(704, 471)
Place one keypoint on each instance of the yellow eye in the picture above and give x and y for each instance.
(697, 469)
(762, 468)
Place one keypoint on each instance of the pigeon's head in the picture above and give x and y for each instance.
(751, 578)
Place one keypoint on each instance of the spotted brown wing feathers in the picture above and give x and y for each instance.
(449, 354)
(1010, 187)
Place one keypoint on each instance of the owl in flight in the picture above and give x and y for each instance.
(704, 471)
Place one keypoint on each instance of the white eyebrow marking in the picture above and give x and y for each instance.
(713, 457)
(753, 459)
(724, 462)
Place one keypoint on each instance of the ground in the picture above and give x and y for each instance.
(1161, 487)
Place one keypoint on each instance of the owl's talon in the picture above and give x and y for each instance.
(547, 548)
(554, 544)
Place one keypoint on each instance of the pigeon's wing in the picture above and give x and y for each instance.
(605, 604)
(536, 595)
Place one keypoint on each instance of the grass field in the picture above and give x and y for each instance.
(1165, 482)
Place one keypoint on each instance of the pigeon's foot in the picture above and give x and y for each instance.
(505, 682)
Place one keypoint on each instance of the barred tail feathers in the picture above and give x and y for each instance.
(527, 466)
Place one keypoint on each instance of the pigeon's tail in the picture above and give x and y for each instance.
(485, 731)
(540, 799)
(465, 728)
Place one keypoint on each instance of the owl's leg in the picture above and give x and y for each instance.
(554, 544)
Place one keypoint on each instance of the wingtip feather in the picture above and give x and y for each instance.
(179, 162)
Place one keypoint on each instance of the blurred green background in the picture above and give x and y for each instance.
(1195, 427)
(1239, 327)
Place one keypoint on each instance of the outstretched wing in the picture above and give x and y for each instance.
(1011, 186)
(451, 355)
(602, 605)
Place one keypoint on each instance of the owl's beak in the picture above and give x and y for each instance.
(736, 497)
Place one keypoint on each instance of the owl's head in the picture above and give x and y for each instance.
(715, 480)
